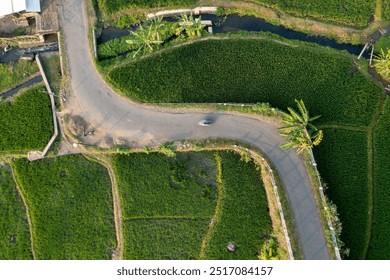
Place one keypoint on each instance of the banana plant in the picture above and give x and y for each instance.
(298, 130)
(189, 26)
(382, 63)
(146, 37)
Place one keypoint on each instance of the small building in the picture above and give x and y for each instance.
(9, 7)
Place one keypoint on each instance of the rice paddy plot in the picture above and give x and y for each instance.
(70, 207)
(14, 230)
(343, 164)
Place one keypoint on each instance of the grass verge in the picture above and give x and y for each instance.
(15, 73)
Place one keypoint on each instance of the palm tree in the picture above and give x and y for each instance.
(382, 64)
(299, 131)
(145, 38)
(190, 27)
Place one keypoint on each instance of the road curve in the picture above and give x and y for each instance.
(114, 117)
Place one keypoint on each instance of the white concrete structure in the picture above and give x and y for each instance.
(15, 6)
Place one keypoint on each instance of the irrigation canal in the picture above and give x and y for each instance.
(235, 23)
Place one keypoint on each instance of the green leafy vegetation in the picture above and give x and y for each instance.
(351, 12)
(148, 36)
(14, 231)
(168, 239)
(155, 185)
(245, 219)
(14, 73)
(250, 71)
(167, 203)
(70, 207)
(269, 251)
(127, 20)
(342, 161)
(26, 123)
(386, 9)
(382, 44)
(298, 130)
(52, 67)
(380, 243)
(382, 63)
(111, 6)
(114, 47)
(188, 27)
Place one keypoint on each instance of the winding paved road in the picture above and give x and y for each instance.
(113, 117)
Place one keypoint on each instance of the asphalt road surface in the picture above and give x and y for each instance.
(112, 117)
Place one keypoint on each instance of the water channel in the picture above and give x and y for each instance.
(234, 23)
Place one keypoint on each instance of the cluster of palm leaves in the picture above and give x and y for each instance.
(300, 133)
(146, 37)
(155, 32)
(189, 26)
(382, 63)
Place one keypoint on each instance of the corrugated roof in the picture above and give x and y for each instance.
(19, 5)
(33, 5)
(6, 7)
(13, 6)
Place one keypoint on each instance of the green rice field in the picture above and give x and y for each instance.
(70, 207)
(14, 231)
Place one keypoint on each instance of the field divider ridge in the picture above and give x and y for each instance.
(218, 209)
(371, 163)
(118, 253)
(26, 209)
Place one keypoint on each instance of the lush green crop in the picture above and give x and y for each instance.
(382, 44)
(52, 67)
(14, 231)
(380, 242)
(26, 124)
(119, 46)
(12, 74)
(167, 203)
(351, 12)
(386, 9)
(70, 205)
(253, 71)
(111, 6)
(114, 47)
(342, 162)
(245, 219)
(156, 239)
(160, 186)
